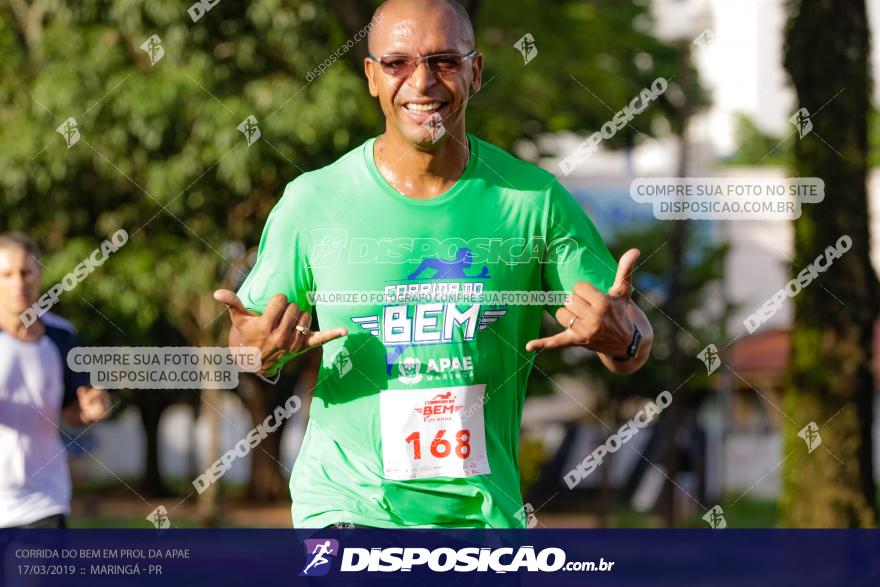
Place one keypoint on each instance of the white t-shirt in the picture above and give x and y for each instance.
(35, 383)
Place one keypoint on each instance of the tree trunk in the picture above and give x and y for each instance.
(676, 312)
(266, 483)
(268, 479)
(209, 500)
(829, 380)
(151, 408)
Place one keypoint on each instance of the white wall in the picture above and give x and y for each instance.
(742, 69)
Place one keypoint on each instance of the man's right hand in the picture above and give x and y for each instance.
(275, 331)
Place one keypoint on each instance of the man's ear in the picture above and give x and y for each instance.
(477, 69)
(370, 72)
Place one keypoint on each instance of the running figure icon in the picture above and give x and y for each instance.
(318, 553)
(449, 269)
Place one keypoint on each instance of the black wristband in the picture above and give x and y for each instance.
(633, 348)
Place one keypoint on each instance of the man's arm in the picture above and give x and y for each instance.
(604, 323)
(598, 313)
(271, 310)
(82, 404)
(90, 406)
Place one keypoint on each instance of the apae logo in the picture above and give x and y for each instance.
(439, 369)
(410, 371)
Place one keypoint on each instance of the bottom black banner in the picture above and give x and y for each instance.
(265, 558)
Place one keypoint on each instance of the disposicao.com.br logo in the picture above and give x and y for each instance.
(440, 560)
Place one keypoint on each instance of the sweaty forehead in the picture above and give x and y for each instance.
(418, 30)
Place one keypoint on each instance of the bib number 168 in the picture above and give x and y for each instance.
(440, 447)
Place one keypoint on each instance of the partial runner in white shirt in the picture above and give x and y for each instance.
(37, 390)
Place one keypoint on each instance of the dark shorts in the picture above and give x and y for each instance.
(56, 521)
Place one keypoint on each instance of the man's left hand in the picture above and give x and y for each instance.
(595, 320)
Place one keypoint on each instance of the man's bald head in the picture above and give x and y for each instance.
(437, 93)
(391, 11)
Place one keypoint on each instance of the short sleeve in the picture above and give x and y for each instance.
(73, 380)
(64, 337)
(282, 263)
(575, 249)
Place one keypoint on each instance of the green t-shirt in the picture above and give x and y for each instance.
(416, 415)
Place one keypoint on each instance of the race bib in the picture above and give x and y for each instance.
(436, 432)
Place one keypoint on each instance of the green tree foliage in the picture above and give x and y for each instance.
(593, 59)
(160, 154)
(755, 147)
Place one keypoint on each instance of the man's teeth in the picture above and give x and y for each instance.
(423, 107)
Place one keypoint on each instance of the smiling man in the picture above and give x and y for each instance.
(416, 415)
